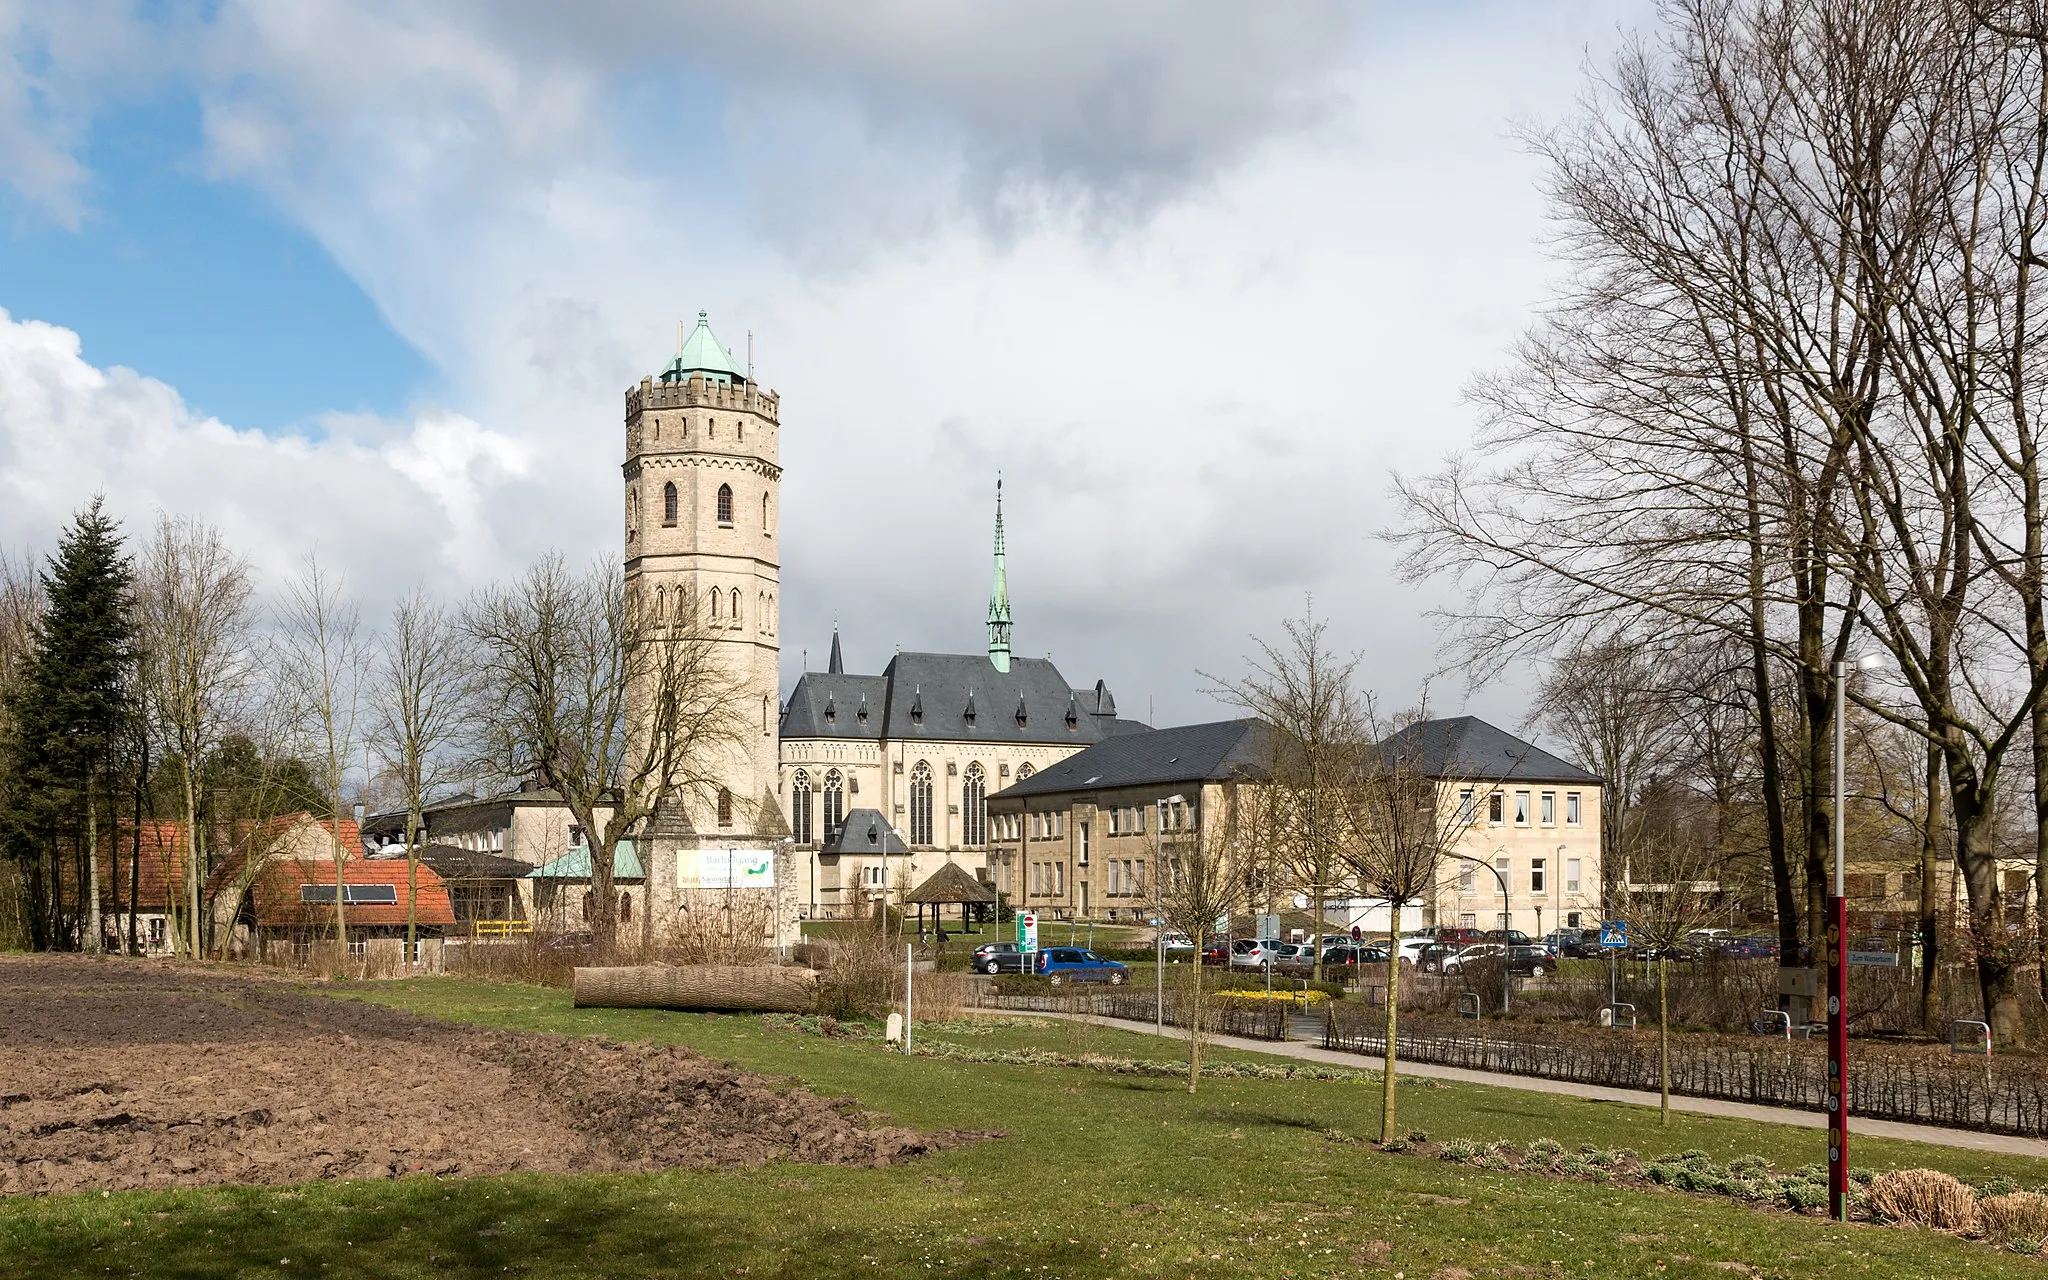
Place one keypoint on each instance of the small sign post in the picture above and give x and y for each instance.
(1027, 938)
(1613, 940)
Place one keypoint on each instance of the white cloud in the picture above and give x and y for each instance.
(1195, 282)
(393, 503)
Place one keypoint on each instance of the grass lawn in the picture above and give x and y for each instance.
(1102, 1175)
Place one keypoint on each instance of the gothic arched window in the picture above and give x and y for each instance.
(724, 807)
(668, 503)
(735, 606)
(800, 807)
(921, 804)
(1024, 771)
(717, 603)
(835, 804)
(725, 504)
(764, 511)
(660, 603)
(974, 807)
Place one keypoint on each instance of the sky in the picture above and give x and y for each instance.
(368, 279)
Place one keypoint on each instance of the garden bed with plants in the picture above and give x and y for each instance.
(1996, 1211)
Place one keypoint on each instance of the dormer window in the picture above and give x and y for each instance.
(917, 706)
(968, 715)
(1022, 719)
(831, 712)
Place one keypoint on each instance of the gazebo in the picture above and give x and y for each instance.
(949, 884)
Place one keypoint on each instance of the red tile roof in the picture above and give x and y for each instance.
(279, 905)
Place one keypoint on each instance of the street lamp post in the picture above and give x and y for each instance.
(1837, 940)
(1506, 917)
(1159, 917)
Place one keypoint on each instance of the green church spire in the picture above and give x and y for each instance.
(999, 596)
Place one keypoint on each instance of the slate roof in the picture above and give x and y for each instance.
(853, 835)
(1186, 753)
(1468, 747)
(1456, 747)
(953, 697)
(452, 862)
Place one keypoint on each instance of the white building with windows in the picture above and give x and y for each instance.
(922, 745)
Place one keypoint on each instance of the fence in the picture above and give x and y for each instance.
(1220, 1016)
(1914, 1083)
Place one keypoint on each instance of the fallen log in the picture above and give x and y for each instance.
(762, 988)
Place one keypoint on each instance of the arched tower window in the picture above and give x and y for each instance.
(921, 804)
(632, 513)
(724, 807)
(835, 804)
(735, 606)
(725, 504)
(717, 603)
(974, 807)
(660, 603)
(800, 807)
(668, 503)
(764, 511)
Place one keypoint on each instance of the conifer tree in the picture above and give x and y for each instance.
(72, 711)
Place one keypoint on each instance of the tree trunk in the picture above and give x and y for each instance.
(1930, 903)
(1317, 972)
(1388, 1061)
(1977, 860)
(412, 882)
(91, 886)
(135, 848)
(193, 846)
(1663, 1041)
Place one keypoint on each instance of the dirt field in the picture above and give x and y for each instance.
(124, 1074)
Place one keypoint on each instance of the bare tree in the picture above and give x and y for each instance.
(1304, 692)
(422, 699)
(1200, 884)
(1406, 807)
(324, 663)
(1679, 897)
(193, 610)
(619, 709)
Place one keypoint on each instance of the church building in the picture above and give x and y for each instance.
(922, 745)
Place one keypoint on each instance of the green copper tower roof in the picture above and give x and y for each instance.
(999, 596)
(701, 353)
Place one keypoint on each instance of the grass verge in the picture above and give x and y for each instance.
(1104, 1174)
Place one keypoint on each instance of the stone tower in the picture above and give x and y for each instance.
(702, 512)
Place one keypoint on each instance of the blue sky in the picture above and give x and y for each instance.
(204, 284)
(1198, 287)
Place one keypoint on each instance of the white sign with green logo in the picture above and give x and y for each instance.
(1027, 931)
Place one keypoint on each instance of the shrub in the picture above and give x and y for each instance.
(1396, 1145)
(1417, 1135)
(1458, 1150)
(1924, 1197)
(1800, 1194)
(1748, 1166)
(1996, 1187)
(1574, 1167)
(1546, 1148)
(2013, 1217)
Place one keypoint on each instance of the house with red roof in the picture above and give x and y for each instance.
(280, 887)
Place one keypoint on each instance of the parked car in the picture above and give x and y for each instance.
(1511, 937)
(1252, 953)
(1469, 956)
(1347, 955)
(1216, 952)
(1580, 944)
(1535, 961)
(1294, 955)
(1749, 947)
(1061, 965)
(1177, 942)
(1432, 957)
(1454, 936)
(998, 957)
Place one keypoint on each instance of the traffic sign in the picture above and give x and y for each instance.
(1269, 926)
(1027, 931)
(1357, 934)
(1614, 934)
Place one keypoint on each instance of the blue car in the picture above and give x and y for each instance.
(1061, 965)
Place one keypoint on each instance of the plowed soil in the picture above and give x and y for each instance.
(119, 1074)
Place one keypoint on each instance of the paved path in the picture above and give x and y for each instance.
(1969, 1139)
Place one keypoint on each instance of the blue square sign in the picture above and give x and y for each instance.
(1614, 934)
